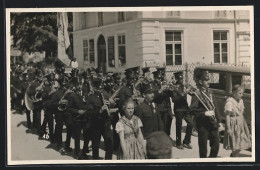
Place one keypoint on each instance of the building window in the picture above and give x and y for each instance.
(220, 42)
(111, 52)
(85, 50)
(221, 14)
(121, 50)
(121, 16)
(91, 52)
(173, 13)
(100, 18)
(173, 46)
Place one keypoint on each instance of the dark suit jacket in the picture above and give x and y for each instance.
(76, 103)
(52, 103)
(151, 121)
(198, 109)
(93, 110)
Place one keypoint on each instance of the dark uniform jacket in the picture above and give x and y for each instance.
(76, 103)
(94, 105)
(162, 99)
(150, 118)
(52, 103)
(198, 109)
(180, 101)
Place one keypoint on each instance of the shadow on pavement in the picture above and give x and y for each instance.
(24, 123)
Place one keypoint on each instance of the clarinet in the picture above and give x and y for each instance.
(104, 102)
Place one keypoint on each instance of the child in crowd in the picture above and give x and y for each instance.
(237, 135)
(130, 134)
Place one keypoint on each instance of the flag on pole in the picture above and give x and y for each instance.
(63, 38)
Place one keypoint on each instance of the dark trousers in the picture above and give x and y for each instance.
(179, 116)
(28, 118)
(69, 128)
(37, 119)
(205, 134)
(77, 127)
(167, 122)
(58, 127)
(107, 134)
(48, 119)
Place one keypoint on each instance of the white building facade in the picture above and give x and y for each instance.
(119, 40)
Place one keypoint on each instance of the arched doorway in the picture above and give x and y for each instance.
(101, 45)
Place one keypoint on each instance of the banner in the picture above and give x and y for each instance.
(63, 37)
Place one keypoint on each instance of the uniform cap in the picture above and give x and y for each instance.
(96, 82)
(129, 72)
(178, 74)
(146, 88)
(146, 69)
(200, 74)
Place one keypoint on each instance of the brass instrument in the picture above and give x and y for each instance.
(112, 98)
(63, 103)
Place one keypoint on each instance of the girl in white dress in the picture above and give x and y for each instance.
(128, 127)
(237, 135)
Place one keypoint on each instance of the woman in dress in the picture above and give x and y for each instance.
(237, 135)
(131, 137)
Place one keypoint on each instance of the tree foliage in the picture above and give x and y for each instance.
(36, 32)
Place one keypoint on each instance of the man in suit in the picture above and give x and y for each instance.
(204, 107)
(181, 109)
(162, 98)
(77, 107)
(148, 112)
(100, 121)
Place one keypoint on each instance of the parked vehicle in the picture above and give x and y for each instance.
(222, 79)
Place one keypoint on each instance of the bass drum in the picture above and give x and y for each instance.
(28, 101)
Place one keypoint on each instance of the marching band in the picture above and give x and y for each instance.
(92, 102)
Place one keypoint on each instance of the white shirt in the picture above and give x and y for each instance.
(74, 64)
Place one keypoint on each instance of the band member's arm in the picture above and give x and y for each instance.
(70, 108)
(53, 103)
(217, 113)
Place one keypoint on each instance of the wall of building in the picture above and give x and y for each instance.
(145, 38)
(197, 41)
(128, 28)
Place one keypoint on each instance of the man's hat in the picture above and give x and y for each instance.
(129, 72)
(136, 69)
(116, 76)
(178, 74)
(96, 82)
(159, 145)
(145, 69)
(159, 70)
(200, 74)
(91, 69)
(146, 87)
(58, 64)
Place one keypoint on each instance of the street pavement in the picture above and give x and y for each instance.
(26, 145)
